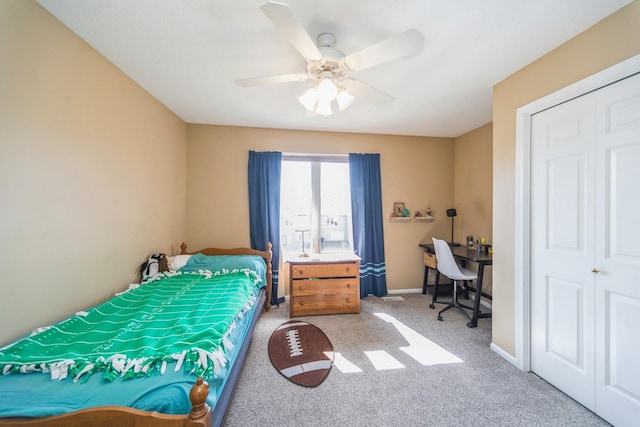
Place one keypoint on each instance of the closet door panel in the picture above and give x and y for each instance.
(562, 218)
(617, 258)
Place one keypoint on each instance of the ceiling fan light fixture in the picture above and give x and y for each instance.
(324, 107)
(344, 98)
(309, 99)
(327, 90)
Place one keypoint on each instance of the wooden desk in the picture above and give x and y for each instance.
(464, 254)
(324, 284)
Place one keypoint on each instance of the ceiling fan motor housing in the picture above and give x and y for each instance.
(331, 58)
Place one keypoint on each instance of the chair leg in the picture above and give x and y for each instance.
(454, 303)
(434, 298)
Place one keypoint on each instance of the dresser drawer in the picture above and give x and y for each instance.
(325, 270)
(324, 287)
(324, 304)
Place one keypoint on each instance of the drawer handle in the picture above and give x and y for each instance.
(348, 300)
(348, 269)
(348, 285)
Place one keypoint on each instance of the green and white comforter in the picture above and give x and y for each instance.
(176, 317)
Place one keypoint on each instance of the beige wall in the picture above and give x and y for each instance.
(473, 189)
(415, 170)
(93, 177)
(613, 40)
(473, 184)
(92, 173)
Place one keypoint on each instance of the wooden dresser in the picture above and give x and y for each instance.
(324, 284)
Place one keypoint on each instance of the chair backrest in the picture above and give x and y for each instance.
(446, 263)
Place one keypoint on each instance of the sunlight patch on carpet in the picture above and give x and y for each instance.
(422, 349)
(382, 360)
(344, 365)
(388, 298)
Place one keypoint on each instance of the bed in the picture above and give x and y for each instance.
(180, 374)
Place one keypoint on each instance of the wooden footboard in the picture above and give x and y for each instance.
(117, 416)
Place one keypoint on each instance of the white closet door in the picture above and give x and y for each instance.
(562, 252)
(585, 249)
(618, 252)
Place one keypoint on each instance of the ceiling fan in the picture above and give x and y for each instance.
(330, 69)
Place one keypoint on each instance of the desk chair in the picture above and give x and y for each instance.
(431, 263)
(447, 266)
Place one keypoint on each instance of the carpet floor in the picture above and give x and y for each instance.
(396, 365)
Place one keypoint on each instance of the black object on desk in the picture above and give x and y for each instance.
(451, 213)
(464, 254)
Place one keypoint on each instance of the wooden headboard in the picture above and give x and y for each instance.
(267, 255)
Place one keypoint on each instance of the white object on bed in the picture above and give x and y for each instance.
(177, 262)
(131, 286)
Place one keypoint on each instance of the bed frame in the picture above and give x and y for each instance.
(201, 414)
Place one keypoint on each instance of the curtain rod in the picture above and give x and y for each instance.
(316, 157)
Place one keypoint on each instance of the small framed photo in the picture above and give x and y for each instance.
(398, 207)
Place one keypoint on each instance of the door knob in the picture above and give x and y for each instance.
(595, 270)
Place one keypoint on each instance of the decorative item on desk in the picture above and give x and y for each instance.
(482, 246)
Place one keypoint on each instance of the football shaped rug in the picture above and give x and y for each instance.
(301, 352)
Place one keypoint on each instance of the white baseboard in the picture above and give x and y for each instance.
(405, 291)
(509, 358)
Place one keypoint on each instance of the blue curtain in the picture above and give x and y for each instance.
(366, 211)
(264, 208)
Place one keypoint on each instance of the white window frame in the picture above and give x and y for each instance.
(316, 160)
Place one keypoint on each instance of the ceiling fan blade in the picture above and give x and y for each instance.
(396, 47)
(283, 18)
(266, 80)
(370, 94)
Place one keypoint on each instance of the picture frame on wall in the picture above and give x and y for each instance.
(398, 208)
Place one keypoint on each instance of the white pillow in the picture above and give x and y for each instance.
(177, 262)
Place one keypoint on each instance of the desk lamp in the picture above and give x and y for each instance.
(451, 213)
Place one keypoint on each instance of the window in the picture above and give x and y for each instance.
(315, 205)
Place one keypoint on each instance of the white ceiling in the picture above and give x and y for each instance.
(188, 53)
